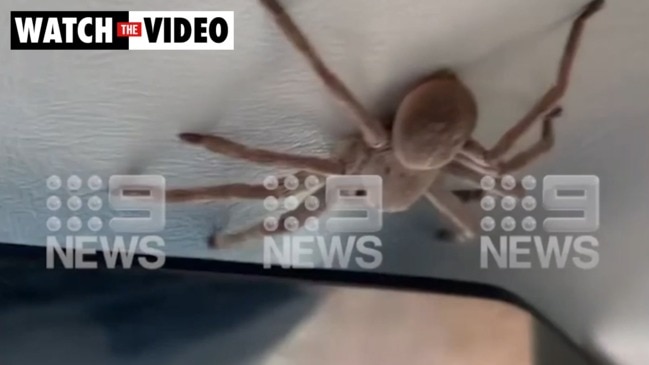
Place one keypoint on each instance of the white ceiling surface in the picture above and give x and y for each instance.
(105, 112)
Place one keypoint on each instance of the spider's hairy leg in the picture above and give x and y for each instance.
(473, 154)
(373, 131)
(531, 154)
(229, 240)
(233, 191)
(556, 92)
(233, 149)
(219, 192)
(473, 175)
(453, 210)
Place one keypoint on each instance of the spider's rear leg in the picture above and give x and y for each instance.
(233, 149)
(455, 211)
(543, 145)
(556, 92)
(286, 223)
(473, 174)
(472, 156)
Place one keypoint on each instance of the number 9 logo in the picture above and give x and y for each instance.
(586, 203)
(341, 197)
(150, 198)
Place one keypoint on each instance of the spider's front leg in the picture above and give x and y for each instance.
(232, 191)
(373, 131)
(310, 165)
(243, 191)
(227, 147)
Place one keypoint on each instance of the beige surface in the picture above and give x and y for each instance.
(359, 326)
(116, 112)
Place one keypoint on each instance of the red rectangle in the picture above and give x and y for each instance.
(129, 29)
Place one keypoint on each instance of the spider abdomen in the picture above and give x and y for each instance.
(433, 122)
